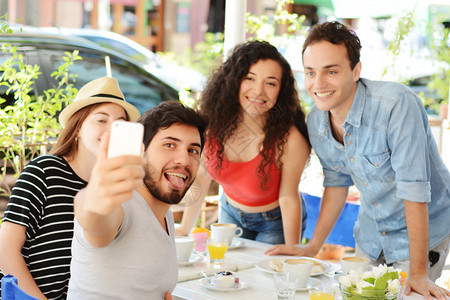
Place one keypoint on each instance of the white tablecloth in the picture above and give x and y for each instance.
(260, 284)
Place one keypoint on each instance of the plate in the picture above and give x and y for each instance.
(193, 259)
(265, 267)
(312, 282)
(204, 283)
(236, 244)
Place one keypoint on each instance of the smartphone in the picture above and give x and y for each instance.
(126, 138)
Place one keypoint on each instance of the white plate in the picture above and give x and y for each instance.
(236, 244)
(193, 259)
(204, 283)
(312, 282)
(265, 267)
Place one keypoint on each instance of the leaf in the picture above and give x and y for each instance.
(382, 282)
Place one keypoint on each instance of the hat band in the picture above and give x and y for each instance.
(108, 96)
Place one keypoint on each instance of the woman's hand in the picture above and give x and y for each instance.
(295, 250)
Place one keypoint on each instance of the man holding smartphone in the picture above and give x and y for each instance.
(123, 245)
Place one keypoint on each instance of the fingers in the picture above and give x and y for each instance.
(111, 175)
(440, 293)
(112, 182)
(272, 251)
(284, 249)
(120, 162)
(427, 295)
(407, 288)
(103, 153)
(426, 288)
(168, 296)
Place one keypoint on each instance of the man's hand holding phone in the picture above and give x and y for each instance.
(119, 168)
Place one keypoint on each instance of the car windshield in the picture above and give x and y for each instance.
(142, 92)
(120, 47)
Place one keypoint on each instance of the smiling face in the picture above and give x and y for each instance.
(259, 90)
(329, 79)
(96, 124)
(172, 162)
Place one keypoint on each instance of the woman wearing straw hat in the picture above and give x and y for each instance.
(37, 230)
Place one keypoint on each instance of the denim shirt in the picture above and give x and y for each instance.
(390, 154)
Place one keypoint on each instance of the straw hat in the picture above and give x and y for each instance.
(105, 89)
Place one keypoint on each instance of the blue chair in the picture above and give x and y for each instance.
(342, 233)
(12, 291)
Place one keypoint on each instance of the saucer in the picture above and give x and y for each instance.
(236, 244)
(193, 259)
(312, 282)
(203, 282)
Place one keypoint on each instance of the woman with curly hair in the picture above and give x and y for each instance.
(257, 146)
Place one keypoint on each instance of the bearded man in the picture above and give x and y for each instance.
(123, 245)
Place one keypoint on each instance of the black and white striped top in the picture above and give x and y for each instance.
(42, 201)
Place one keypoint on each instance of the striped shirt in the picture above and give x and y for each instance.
(42, 201)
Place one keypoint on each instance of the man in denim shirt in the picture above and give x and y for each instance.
(375, 135)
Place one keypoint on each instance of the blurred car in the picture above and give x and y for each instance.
(172, 74)
(140, 87)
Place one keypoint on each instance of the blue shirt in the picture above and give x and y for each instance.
(390, 154)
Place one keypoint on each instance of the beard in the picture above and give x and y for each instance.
(172, 197)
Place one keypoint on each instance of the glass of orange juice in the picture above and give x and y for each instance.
(322, 293)
(217, 249)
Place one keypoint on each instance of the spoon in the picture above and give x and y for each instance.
(207, 278)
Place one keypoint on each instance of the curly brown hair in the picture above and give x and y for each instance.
(220, 103)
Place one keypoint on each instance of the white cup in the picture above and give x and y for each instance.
(184, 246)
(353, 263)
(225, 231)
(298, 268)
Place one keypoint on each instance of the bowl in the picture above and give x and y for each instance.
(368, 295)
(223, 282)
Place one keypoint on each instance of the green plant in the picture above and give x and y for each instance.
(404, 26)
(261, 27)
(440, 81)
(29, 125)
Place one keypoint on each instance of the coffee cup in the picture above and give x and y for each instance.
(353, 263)
(298, 268)
(225, 231)
(184, 246)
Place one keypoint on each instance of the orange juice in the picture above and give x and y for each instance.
(321, 296)
(217, 250)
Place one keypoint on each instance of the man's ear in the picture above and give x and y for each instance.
(357, 71)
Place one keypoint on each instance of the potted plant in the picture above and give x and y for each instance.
(28, 125)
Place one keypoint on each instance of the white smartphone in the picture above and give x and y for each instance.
(125, 139)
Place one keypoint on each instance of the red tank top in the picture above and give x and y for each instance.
(240, 181)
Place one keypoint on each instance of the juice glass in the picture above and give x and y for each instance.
(285, 286)
(321, 293)
(217, 249)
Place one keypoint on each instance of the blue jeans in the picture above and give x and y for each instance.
(266, 227)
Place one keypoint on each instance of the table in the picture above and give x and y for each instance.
(261, 285)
